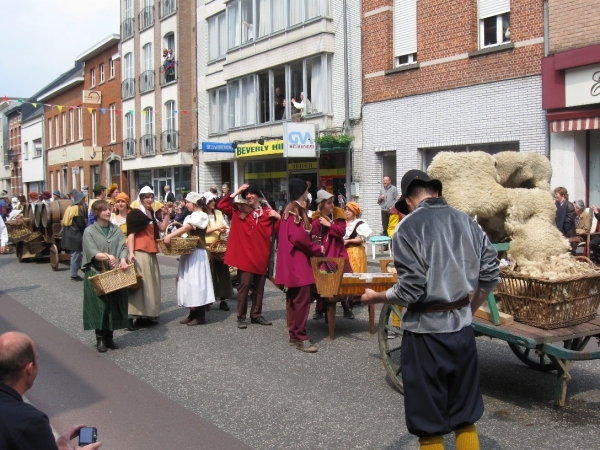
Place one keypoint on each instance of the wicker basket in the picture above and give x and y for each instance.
(328, 282)
(35, 243)
(19, 229)
(113, 280)
(179, 246)
(216, 250)
(550, 304)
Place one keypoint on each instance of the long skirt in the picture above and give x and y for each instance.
(108, 312)
(194, 283)
(221, 279)
(146, 301)
(358, 259)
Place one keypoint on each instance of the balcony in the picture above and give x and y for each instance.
(146, 17)
(147, 81)
(147, 145)
(128, 148)
(170, 76)
(167, 7)
(169, 141)
(127, 28)
(128, 88)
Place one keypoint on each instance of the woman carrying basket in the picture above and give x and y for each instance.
(103, 249)
(194, 284)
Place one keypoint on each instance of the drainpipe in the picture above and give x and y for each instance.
(347, 102)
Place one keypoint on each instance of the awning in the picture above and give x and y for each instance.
(587, 123)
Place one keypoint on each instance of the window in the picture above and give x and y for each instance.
(128, 9)
(128, 84)
(147, 52)
(26, 150)
(93, 77)
(295, 15)
(37, 148)
(64, 127)
(80, 123)
(248, 27)
(72, 125)
(170, 135)
(95, 175)
(277, 16)
(148, 130)
(217, 37)
(101, 73)
(148, 121)
(494, 22)
(170, 116)
(128, 66)
(147, 76)
(49, 133)
(56, 137)
(233, 15)
(405, 32)
(94, 134)
(111, 68)
(113, 123)
(129, 126)
(218, 110)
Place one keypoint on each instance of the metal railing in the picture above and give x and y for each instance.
(146, 17)
(127, 28)
(129, 148)
(128, 88)
(169, 141)
(167, 7)
(147, 81)
(147, 145)
(168, 77)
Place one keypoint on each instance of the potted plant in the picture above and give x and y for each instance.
(325, 142)
(343, 141)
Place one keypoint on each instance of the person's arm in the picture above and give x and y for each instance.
(337, 228)
(489, 272)
(162, 225)
(302, 241)
(177, 232)
(64, 440)
(131, 246)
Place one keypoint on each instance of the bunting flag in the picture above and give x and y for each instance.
(185, 111)
(59, 108)
(20, 100)
(90, 110)
(5, 99)
(103, 110)
(144, 112)
(34, 105)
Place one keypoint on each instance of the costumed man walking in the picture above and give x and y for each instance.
(73, 223)
(249, 246)
(441, 255)
(293, 264)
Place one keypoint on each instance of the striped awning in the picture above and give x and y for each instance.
(588, 123)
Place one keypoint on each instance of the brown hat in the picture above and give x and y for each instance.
(34, 196)
(46, 195)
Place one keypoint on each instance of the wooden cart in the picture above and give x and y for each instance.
(545, 350)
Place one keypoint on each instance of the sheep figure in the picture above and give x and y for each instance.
(525, 170)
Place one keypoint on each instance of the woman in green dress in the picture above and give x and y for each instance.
(103, 248)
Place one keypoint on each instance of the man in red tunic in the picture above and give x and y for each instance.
(249, 247)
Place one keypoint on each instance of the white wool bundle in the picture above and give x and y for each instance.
(536, 240)
(527, 170)
(524, 204)
(470, 182)
(554, 268)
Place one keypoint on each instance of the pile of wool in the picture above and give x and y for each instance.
(554, 268)
(525, 170)
(470, 182)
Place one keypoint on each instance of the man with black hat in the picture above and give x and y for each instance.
(99, 194)
(249, 247)
(441, 255)
(73, 223)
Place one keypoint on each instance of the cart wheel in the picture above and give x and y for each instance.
(390, 348)
(20, 251)
(534, 359)
(54, 259)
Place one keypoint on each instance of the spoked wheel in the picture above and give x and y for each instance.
(54, 257)
(536, 359)
(390, 343)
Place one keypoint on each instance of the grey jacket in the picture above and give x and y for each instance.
(441, 255)
(95, 242)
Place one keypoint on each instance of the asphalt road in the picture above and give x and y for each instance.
(253, 385)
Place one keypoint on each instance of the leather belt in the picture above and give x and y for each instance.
(438, 306)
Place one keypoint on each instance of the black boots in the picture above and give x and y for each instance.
(198, 316)
(100, 341)
(104, 340)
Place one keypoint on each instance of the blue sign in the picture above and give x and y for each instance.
(217, 147)
(296, 137)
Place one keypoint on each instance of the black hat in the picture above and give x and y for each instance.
(407, 179)
(297, 188)
(252, 187)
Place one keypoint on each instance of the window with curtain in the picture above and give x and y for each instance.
(148, 61)
(405, 31)
(170, 116)
(72, 125)
(313, 9)
(314, 84)
(218, 110)
(94, 130)
(217, 37)
(248, 25)
(222, 19)
(80, 123)
(494, 22)
(64, 127)
(262, 17)
(148, 121)
(235, 101)
(127, 9)
(248, 101)
(233, 15)
(113, 123)
(129, 126)
(264, 104)
(277, 16)
(295, 13)
(128, 65)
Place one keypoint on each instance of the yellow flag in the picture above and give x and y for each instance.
(59, 108)
(90, 110)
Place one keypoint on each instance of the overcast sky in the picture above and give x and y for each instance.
(40, 39)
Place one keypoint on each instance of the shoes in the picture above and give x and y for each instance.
(241, 323)
(144, 322)
(348, 314)
(100, 343)
(306, 346)
(196, 321)
(318, 316)
(132, 326)
(108, 340)
(77, 278)
(391, 335)
(261, 321)
(293, 341)
(186, 319)
(223, 306)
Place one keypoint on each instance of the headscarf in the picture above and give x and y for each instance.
(144, 190)
(193, 197)
(354, 207)
(208, 197)
(123, 196)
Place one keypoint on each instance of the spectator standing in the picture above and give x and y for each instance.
(561, 196)
(279, 104)
(303, 106)
(388, 195)
(73, 223)
(99, 194)
(169, 196)
(3, 205)
(595, 242)
(224, 192)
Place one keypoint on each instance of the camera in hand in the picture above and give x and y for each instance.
(87, 435)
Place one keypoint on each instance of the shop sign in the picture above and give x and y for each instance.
(303, 166)
(582, 85)
(255, 149)
(265, 175)
(217, 147)
(332, 172)
(92, 97)
(299, 140)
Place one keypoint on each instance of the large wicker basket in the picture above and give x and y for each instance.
(179, 246)
(550, 304)
(328, 274)
(113, 280)
(19, 229)
(216, 250)
(35, 243)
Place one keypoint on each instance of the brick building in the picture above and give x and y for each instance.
(460, 75)
(4, 148)
(13, 132)
(571, 96)
(81, 132)
(158, 91)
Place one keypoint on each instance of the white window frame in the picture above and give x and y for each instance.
(128, 69)
(500, 38)
(111, 68)
(50, 133)
(218, 122)
(113, 123)
(26, 150)
(72, 125)
(94, 130)
(37, 153)
(64, 127)
(92, 77)
(147, 57)
(56, 137)
(148, 121)
(170, 116)
(101, 73)
(405, 32)
(129, 126)
(80, 123)
(217, 36)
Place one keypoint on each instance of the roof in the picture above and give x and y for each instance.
(31, 115)
(101, 46)
(73, 80)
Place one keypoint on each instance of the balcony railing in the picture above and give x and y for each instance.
(127, 28)
(147, 145)
(170, 76)
(146, 17)
(129, 148)
(167, 7)
(147, 81)
(128, 88)
(169, 141)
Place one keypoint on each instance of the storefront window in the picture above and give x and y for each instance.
(429, 153)
(271, 177)
(594, 168)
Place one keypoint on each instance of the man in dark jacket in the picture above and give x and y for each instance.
(562, 200)
(72, 236)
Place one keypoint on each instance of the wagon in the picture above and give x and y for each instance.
(541, 349)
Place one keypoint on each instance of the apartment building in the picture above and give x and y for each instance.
(4, 148)
(460, 75)
(571, 96)
(158, 91)
(13, 141)
(262, 63)
(32, 148)
(81, 121)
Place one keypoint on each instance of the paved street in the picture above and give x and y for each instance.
(252, 386)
